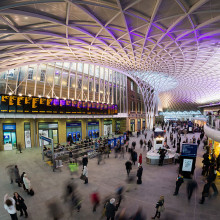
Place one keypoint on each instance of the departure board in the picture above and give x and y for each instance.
(68, 106)
(27, 104)
(49, 106)
(35, 104)
(4, 103)
(42, 105)
(98, 108)
(20, 104)
(74, 106)
(93, 108)
(62, 108)
(89, 107)
(56, 104)
(79, 107)
(84, 107)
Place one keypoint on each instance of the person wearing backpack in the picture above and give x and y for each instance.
(159, 207)
(179, 181)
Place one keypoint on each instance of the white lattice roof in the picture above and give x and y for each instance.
(177, 40)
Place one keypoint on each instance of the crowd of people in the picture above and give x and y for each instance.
(175, 135)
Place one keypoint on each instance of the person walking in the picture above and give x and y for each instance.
(191, 186)
(139, 175)
(159, 207)
(20, 205)
(134, 156)
(205, 192)
(179, 181)
(128, 166)
(140, 159)
(141, 143)
(9, 205)
(17, 176)
(27, 183)
(111, 209)
(85, 160)
(95, 200)
(85, 173)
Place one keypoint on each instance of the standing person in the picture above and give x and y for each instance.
(133, 144)
(141, 143)
(159, 207)
(22, 182)
(20, 205)
(134, 156)
(85, 173)
(139, 175)
(179, 181)
(205, 192)
(85, 160)
(17, 176)
(9, 205)
(149, 144)
(27, 183)
(191, 186)
(198, 142)
(145, 135)
(111, 209)
(95, 200)
(140, 159)
(128, 166)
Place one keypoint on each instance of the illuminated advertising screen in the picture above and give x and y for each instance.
(93, 108)
(68, 106)
(12, 104)
(79, 107)
(105, 109)
(35, 104)
(84, 107)
(56, 104)
(49, 106)
(62, 109)
(74, 106)
(89, 108)
(98, 108)
(20, 104)
(42, 105)
(4, 103)
(27, 104)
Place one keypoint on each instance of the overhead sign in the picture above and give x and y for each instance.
(46, 139)
(189, 150)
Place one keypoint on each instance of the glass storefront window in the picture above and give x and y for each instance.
(49, 129)
(9, 136)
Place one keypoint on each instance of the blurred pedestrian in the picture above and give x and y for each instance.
(141, 143)
(20, 205)
(128, 166)
(9, 205)
(205, 192)
(85, 173)
(159, 207)
(95, 200)
(191, 186)
(111, 209)
(139, 175)
(17, 176)
(179, 181)
(140, 159)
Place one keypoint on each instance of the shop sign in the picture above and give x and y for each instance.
(73, 124)
(9, 127)
(93, 123)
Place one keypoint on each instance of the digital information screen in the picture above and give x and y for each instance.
(12, 104)
(27, 104)
(4, 103)
(35, 104)
(20, 104)
(49, 106)
(68, 106)
(189, 150)
(42, 105)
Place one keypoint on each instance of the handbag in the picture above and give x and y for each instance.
(161, 208)
(82, 177)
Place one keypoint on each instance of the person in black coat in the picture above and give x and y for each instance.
(139, 175)
(128, 166)
(85, 161)
(20, 205)
(134, 156)
(111, 209)
(205, 192)
(191, 186)
(179, 181)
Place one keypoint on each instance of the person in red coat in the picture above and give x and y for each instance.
(140, 159)
(95, 200)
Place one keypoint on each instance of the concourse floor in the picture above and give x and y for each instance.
(106, 177)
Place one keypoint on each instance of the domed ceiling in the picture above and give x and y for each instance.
(174, 45)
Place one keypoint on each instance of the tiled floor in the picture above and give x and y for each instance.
(106, 177)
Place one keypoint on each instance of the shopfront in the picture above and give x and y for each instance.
(107, 127)
(27, 134)
(93, 129)
(139, 124)
(132, 125)
(48, 129)
(73, 131)
(9, 136)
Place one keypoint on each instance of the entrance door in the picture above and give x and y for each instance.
(10, 139)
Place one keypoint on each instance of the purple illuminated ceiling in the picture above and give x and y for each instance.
(179, 39)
